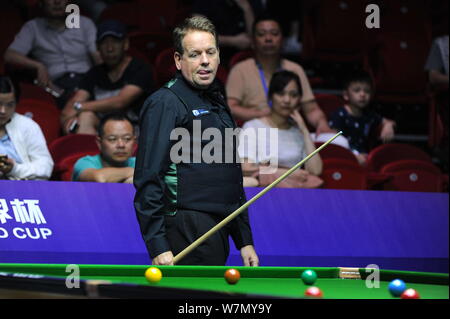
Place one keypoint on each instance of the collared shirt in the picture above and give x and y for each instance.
(7, 148)
(61, 51)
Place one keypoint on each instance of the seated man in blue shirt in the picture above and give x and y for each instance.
(116, 140)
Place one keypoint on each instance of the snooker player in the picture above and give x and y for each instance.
(178, 201)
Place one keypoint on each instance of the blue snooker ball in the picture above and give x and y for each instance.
(397, 287)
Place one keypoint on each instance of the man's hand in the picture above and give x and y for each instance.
(362, 159)
(6, 165)
(43, 79)
(165, 258)
(249, 256)
(387, 132)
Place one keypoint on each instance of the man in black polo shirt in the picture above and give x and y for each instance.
(177, 202)
(121, 83)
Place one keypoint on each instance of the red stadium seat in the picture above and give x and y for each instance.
(404, 15)
(397, 66)
(333, 151)
(343, 174)
(387, 153)
(414, 176)
(68, 145)
(156, 15)
(31, 91)
(10, 23)
(329, 102)
(47, 115)
(125, 12)
(165, 66)
(67, 164)
(334, 30)
(150, 43)
(144, 15)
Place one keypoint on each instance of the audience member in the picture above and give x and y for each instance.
(437, 67)
(121, 83)
(437, 62)
(293, 140)
(290, 16)
(116, 140)
(57, 54)
(356, 120)
(247, 82)
(233, 20)
(23, 149)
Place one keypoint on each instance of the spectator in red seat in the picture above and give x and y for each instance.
(121, 83)
(57, 54)
(115, 164)
(356, 120)
(247, 83)
(293, 141)
(23, 149)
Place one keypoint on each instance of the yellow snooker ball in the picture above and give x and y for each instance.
(153, 275)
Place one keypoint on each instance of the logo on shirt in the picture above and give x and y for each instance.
(199, 112)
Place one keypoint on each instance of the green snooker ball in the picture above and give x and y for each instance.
(309, 277)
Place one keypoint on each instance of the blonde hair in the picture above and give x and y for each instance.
(192, 23)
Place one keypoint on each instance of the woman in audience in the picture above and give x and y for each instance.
(23, 149)
(270, 145)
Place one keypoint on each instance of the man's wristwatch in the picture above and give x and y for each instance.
(77, 106)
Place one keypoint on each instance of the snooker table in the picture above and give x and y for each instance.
(186, 282)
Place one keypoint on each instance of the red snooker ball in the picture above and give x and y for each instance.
(314, 292)
(232, 276)
(410, 294)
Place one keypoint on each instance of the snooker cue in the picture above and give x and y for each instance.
(226, 220)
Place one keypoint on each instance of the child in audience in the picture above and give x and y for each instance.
(356, 120)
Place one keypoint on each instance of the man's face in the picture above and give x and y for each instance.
(55, 8)
(7, 107)
(358, 94)
(268, 38)
(112, 50)
(200, 59)
(117, 143)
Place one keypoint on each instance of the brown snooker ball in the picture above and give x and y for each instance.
(232, 276)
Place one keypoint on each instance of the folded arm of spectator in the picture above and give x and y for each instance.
(107, 175)
(244, 113)
(437, 78)
(126, 96)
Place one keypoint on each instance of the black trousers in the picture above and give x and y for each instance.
(185, 227)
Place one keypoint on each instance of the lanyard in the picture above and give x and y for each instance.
(264, 83)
